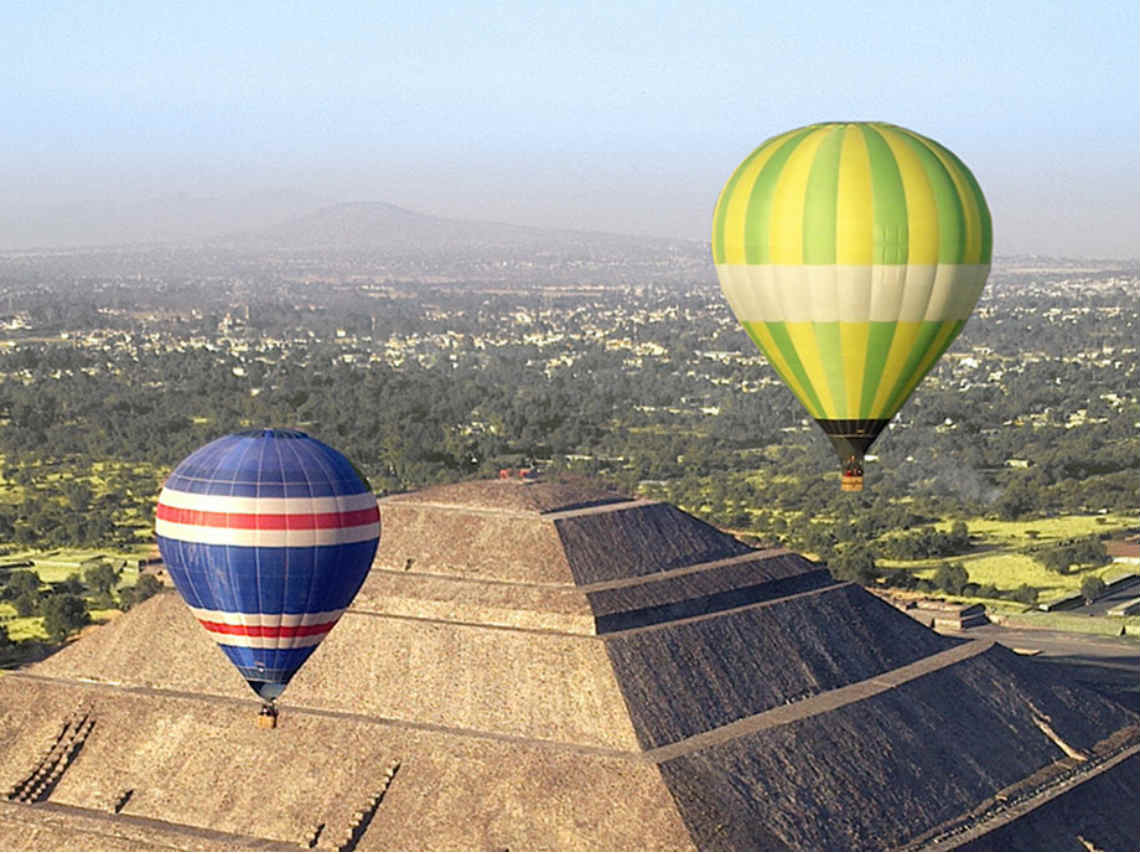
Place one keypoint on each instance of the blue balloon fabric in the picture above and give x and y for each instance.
(268, 535)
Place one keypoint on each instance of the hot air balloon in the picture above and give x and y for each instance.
(852, 253)
(268, 535)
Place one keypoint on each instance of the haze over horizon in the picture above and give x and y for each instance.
(625, 118)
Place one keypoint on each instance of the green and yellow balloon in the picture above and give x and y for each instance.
(852, 253)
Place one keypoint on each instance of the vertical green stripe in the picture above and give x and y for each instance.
(760, 201)
(951, 216)
(922, 342)
(831, 354)
(889, 202)
(901, 396)
(722, 207)
(983, 210)
(976, 200)
(911, 376)
(878, 346)
(821, 201)
(779, 334)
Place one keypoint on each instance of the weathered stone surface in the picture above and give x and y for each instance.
(555, 666)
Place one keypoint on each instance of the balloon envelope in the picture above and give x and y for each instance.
(268, 535)
(852, 253)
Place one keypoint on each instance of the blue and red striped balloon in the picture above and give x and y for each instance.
(268, 535)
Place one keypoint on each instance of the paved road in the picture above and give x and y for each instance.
(1116, 597)
(1122, 653)
(1092, 649)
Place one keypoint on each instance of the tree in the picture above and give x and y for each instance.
(27, 604)
(960, 535)
(1090, 552)
(951, 577)
(102, 578)
(1092, 588)
(854, 563)
(146, 587)
(73, 584)
(64, 614)
(989, 591)
(78, 494)
(1018, 499)
(1087, 552)
(21, 583)
(1025, 594)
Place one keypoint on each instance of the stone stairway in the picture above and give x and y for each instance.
(358, 824)
(38, 784)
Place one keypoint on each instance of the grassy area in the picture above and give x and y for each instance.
(1013, 534)
(1008, 571)
(22, 628)
(1061, 622)
(32, 628)
(57, 565)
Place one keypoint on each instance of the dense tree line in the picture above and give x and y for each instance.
(1085, 553)
(926, 542)
(679, 418)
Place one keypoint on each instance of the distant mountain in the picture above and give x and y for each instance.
(373, 237)
(378, 225)
(170, 219)
(386, 227)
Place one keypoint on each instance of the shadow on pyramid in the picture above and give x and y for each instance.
(550, 665)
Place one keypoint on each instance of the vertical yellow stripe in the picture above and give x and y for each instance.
(786, 236)
(906, 333)
(769, 347)
(807, 348)
(921, 210)
(945, 332)
(853, 236)
(853, 338)
(736, 209)
(971, 214)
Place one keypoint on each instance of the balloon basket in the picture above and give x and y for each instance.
(852, 483)
(267, 719)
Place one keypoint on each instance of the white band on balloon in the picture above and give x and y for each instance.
(216, 536)
(241, 504)
(236, 618)
(265, 642)
(267, 631)
(829, 293)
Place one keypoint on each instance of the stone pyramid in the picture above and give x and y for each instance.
(550, 665)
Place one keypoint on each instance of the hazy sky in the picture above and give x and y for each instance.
(618, 116)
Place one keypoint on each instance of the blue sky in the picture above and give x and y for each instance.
(618, 116)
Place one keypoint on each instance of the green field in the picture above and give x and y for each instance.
(1008, 571)
(22, 628)
(32, 628)
(58, 564)
(1113, 626)
(1014, 534)
(998, 560)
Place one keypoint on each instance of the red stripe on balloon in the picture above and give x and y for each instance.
(268, 631)
(268, 521)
